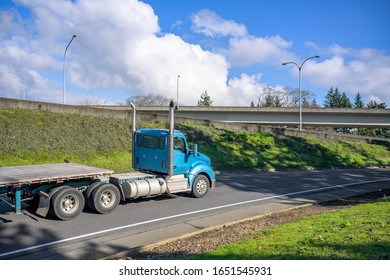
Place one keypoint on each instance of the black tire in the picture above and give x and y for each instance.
(67, 203)
(200, 186)
(105, 198)
(88, 194)
(51, 194)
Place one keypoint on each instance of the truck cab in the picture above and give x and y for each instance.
(151, 155)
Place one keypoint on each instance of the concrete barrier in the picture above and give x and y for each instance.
(64, 109)
(322, 135)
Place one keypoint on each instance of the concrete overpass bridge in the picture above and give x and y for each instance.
(326, 117)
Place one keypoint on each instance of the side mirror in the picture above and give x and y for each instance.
(196, 150)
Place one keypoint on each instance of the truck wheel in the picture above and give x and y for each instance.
(105, 198)
(67, 203)
(88, 193)
(201, 186)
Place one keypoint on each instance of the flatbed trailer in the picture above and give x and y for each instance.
(14, 179)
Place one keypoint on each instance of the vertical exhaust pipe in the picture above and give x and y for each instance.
(133, 129)
(171, 139)
(134, 119)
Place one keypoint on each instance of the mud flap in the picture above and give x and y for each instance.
(44, 205)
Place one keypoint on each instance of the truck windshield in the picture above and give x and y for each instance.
(180, 144)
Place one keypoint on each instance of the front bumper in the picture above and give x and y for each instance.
(213, 183)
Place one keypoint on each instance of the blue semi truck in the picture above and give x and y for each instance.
(163, 162)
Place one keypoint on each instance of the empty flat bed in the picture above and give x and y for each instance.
(34, 174)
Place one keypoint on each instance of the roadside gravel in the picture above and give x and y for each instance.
(209, 239)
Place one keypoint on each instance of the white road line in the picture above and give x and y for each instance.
(186, 214)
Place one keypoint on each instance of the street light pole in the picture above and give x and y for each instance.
(24, 84)
(177, 92)
(63, 72)
(300, 93)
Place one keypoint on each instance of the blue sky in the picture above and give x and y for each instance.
(232, 49)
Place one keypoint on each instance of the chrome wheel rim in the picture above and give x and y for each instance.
(201, 186)
(69, 204)
(107, 198)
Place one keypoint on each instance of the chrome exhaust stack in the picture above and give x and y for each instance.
(134, 129)
(171, 138)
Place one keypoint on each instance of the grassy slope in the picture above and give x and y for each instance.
(360, 232)
(231, 150)
(32, 137)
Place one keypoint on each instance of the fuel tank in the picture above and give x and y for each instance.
(145, 187)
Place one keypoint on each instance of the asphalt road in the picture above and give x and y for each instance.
(145, 221)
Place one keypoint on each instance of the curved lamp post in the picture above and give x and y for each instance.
(63, 72)
(300, 94)
(24, 84)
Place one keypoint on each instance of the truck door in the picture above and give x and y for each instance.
(181, 163)
(151, 153)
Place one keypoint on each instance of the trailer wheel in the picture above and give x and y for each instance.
(105, 198)
(201, 186)
(51, 195)
(67, 203)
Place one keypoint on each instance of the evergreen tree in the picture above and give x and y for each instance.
(374, 105)
(358, 102)
(332, 98)
(328, 98)
(252, 104)
(375, 132)
(345, 102)
(337, 99)
(205, 100)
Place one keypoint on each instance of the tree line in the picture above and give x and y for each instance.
(288, 97)
(273, 97)
(335, 99)
(160, 100)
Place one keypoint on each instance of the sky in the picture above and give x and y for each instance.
(231, 49)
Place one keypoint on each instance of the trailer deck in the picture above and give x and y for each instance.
(34, 174)
(16, 177)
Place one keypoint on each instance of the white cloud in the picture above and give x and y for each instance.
(163, 58)
(354, 70)
(211, 24)
(247, 88)
(120, 51)
(10, 20)
(118, 48)
(249, 50)
(244, 89)
(243, 48)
